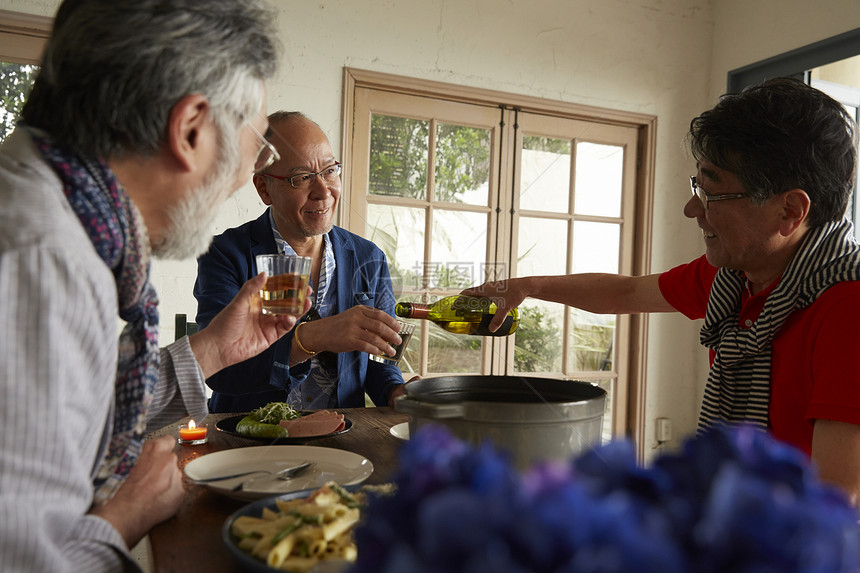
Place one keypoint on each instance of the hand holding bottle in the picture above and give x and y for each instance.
(463, 315)
(507, 295)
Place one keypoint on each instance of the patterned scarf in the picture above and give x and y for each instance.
(118, 234)
(738, 386)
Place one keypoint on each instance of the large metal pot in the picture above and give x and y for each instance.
(532, 418)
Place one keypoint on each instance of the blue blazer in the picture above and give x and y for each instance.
(362, 278)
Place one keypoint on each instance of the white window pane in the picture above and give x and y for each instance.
(462, 173)
(590, 342)
(453, 353)
(542, 247)
(410, 362)
(609, 385)
(398, 156)
(399, 232)
(596, 247)
(539, 336)
(458, 250)
(545, 174)
(599, 172)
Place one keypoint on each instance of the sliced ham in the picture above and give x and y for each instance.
(316, 424)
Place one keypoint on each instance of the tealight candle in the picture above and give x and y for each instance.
(192, 434)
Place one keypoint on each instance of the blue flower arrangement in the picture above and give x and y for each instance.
(733, 500)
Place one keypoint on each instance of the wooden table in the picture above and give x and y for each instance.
(191, 541)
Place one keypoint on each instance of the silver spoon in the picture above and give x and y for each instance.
(284, 474)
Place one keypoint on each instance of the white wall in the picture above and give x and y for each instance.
(658, 57)
(748, 31)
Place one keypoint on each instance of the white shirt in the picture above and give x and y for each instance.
(58, 356)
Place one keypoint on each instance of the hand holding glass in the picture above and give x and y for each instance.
(405, 333)
(286, 285)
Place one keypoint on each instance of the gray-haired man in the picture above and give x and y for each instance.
(145, 115)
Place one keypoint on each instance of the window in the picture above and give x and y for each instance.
(22, 39)
(831, 65)
(461, 186)
(15, 83)
(841, 81)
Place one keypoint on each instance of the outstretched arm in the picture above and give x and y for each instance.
(594, 292)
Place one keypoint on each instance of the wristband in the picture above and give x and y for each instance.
(299, 342)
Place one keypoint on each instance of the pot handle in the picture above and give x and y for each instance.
(427, 410)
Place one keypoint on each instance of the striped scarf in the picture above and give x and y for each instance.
(118, 234)
(738, 386)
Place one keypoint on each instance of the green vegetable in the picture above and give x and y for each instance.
(263, 422)
(286, 531)
(252, 427)
(347, 498)
(274, 412)
(300, 520)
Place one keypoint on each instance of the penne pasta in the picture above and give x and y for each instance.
(281, 551)
(340, 525)
(299, 533)
(317, 548)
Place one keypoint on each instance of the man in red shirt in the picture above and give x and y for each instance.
(779, 284)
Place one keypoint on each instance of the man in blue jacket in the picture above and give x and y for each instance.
(323, 362)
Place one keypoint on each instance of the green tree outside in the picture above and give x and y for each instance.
(16, 80)
(398, 163)
(399, 168)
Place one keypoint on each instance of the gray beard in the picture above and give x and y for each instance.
(191, 222)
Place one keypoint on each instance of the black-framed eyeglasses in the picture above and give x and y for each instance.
(706, 197)
(304, 180)
(267, 154)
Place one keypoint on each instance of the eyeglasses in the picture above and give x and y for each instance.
(267, 154)
(304, 180)
(706, 197)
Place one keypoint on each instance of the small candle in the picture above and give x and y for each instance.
(193, 434)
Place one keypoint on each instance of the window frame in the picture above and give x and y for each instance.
(796, 63)
(632, 422)
(23, 37)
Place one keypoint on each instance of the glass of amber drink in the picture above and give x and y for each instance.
(405, 334)
(286, 283)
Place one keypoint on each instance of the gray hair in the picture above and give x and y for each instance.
(113, 69)
(281, 117)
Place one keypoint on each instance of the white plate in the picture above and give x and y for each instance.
(400, 431)
(330, 464)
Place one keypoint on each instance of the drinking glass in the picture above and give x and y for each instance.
(286, 285)
(405, 333)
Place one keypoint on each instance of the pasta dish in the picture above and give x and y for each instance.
(301, 532)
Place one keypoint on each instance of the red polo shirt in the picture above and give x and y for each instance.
(815, 365)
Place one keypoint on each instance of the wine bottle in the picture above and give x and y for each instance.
(461, 315)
